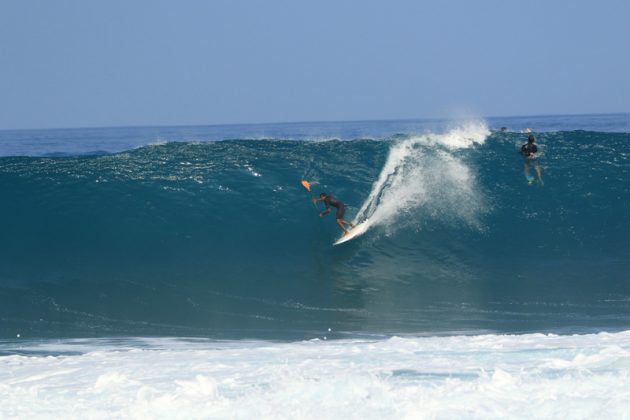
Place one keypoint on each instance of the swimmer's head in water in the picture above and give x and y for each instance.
(530, 138)
(323, 195)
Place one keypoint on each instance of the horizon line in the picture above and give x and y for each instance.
(305, 122)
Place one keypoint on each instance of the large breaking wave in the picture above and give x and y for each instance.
(220, 239)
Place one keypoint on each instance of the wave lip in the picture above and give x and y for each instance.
(423, 171)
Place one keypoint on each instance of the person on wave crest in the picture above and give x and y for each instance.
(529, 151)
(329, 200)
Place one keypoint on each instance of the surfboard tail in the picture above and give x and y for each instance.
(357, 231)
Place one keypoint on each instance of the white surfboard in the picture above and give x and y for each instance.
(358, 230)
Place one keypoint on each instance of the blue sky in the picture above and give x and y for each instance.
(80, 63)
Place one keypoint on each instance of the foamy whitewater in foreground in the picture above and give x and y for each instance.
(484, 376)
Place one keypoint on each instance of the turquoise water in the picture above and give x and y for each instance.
(165, 232)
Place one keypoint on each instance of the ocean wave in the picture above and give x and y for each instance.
(198, 238)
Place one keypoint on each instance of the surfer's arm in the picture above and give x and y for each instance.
(325, 212)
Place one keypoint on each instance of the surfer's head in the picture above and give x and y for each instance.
(530, 138)
(323, 195)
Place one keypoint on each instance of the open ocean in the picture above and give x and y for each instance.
(183, 272)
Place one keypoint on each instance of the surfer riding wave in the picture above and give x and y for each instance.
(329, 200)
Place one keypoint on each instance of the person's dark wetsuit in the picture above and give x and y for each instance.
(332, 201)
(529, 150)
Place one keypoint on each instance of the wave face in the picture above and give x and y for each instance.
(220, 239)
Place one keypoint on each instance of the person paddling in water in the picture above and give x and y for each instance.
(329, 200)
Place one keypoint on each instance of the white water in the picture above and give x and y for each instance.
(486, 376)
(425, 171)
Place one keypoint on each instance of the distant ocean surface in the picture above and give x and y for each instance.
(184, 272)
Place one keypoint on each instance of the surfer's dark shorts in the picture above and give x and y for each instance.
(340, 212)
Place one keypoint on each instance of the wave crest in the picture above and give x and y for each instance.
(425, 172)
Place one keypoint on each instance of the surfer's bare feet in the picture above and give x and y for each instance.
(351, 226)
(345, 232)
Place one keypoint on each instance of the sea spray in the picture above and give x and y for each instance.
(425, 171)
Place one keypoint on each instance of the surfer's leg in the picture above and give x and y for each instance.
(526, 169)
(339, 216)
(538, 173)
(347, 223)
(340, 223)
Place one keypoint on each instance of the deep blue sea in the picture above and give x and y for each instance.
(150, 269)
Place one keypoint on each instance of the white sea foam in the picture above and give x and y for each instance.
(425, 172)
(486, 376)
